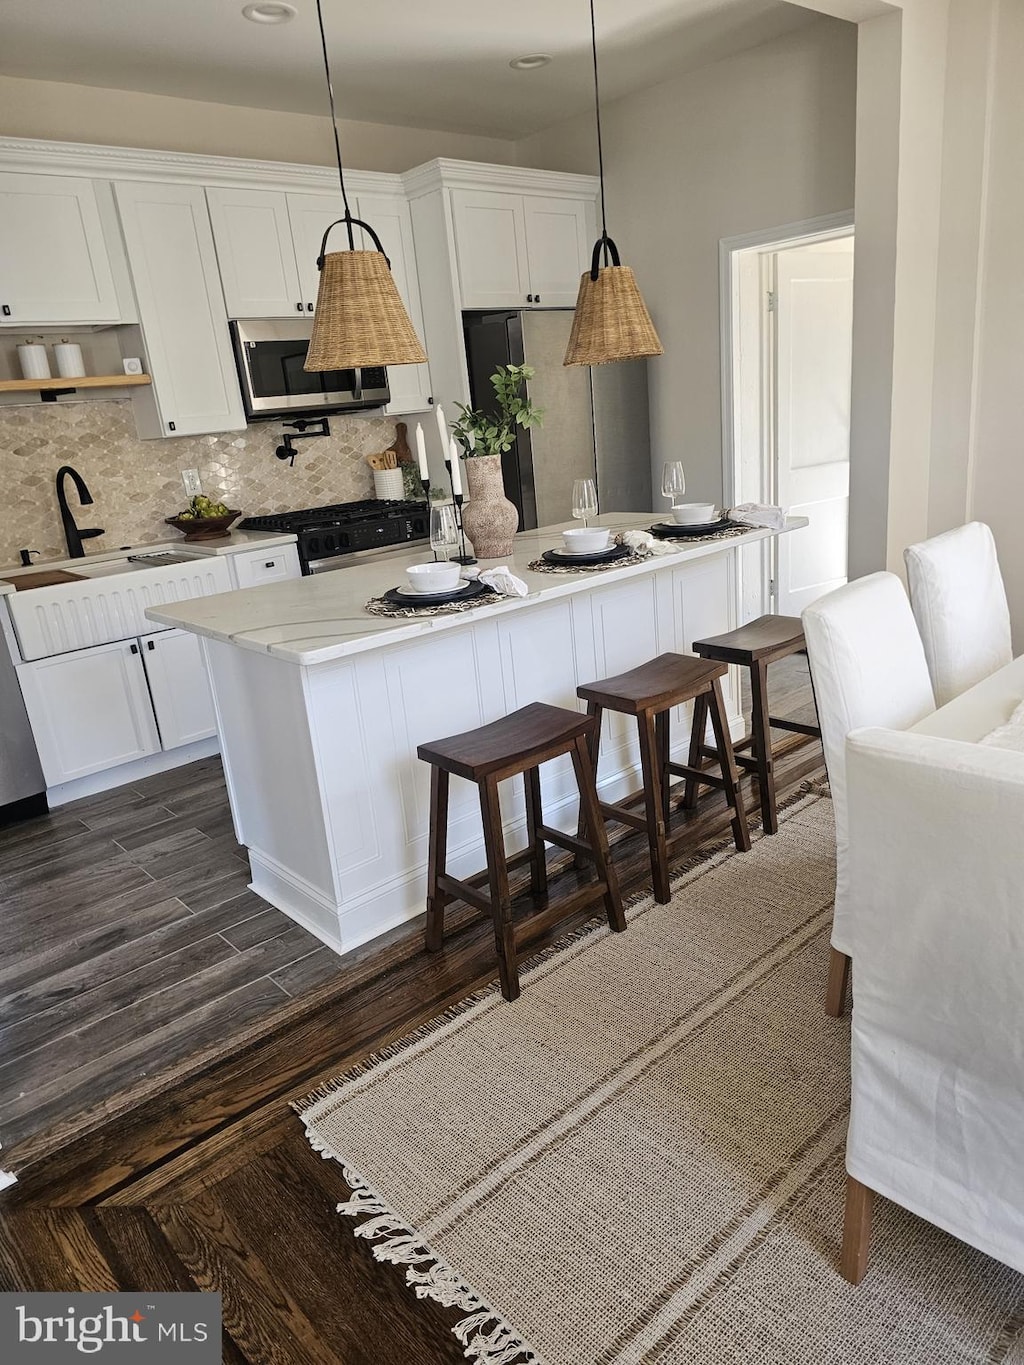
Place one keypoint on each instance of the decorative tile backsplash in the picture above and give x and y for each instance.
(135, 484)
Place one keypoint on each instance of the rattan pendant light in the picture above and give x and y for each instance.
(611, 321)
(360, 318)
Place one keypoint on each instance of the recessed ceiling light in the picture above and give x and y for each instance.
(531, 62)
(269, 12)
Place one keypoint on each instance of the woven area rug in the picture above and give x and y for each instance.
(641, 1160)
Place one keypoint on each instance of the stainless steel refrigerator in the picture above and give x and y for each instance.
(596, 420)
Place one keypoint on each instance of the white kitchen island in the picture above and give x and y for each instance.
(320, 708)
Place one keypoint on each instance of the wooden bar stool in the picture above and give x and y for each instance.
(753, 647)
(519, 743)
(648, 693)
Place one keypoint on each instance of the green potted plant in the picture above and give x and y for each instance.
(490, 519)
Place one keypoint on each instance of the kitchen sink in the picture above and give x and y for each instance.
(107, 566)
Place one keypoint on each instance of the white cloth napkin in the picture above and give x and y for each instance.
(645, 545)
(504, 581)
(759, 514)
(1010, 735)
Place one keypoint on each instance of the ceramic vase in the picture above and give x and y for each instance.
(490, 520)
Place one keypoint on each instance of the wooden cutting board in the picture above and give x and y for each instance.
(45, 578)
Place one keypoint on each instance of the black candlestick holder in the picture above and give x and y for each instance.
(458, 499)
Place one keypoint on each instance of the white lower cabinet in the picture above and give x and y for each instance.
(97, 708)
(179, 688)
(89, 710)
(252, 568)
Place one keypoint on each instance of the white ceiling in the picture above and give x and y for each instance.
(436, 63)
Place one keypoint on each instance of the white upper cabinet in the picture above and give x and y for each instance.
(254, 249)
(310, 216)
(54, 259)
(516, 250)
(184, 321)
(390, 218)
(559, 240)
(490, 242)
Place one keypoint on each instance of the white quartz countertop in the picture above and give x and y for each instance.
(233, 543)
(319, 618)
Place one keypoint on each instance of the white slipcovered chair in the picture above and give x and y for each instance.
(959, 602)
(868, 668)
(936, 870)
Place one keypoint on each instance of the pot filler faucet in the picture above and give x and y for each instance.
(72, 534)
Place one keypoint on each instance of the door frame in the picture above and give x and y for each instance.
(748, 456)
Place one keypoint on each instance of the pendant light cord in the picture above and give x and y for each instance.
(334, 122)
(600, 145)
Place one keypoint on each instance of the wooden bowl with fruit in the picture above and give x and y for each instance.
(204, 519)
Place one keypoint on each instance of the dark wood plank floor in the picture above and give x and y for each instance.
(207, 1180)
(133, 947)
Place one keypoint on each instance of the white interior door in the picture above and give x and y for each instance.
(814, 332)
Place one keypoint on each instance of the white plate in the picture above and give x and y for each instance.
(563, 553)
(448, 594)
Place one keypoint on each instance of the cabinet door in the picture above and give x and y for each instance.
(89, 710)
(310, 216)
(181, 307)
(490, 244)
(255, 252)
(179, 687)
(558, 244)
(54, 264)
(390, 219)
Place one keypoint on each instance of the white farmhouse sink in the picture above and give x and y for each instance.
(109, 602)
(105, 567)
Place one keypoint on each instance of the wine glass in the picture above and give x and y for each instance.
(673, 480)
(444, 531)
(584, 499)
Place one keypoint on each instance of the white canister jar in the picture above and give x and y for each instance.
(34, 360)
(70, 364)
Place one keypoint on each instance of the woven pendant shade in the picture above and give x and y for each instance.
(611, 321)
(360, 318)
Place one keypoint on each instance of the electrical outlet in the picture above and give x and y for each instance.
(190, 478)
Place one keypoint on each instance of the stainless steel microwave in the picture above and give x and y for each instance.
(270, 354)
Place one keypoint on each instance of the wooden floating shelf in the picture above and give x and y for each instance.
(85, 381)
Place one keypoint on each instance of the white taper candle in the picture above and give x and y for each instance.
(421, 452)
(456, 469)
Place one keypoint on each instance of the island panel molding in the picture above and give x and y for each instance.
(321, 708)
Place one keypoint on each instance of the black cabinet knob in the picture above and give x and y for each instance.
(150, 644)
(171, 426)
(309, 308)
(6, 310)
(298, 308)
(134, 649)
(529, 298)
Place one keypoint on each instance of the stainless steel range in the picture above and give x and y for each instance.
(326, 534)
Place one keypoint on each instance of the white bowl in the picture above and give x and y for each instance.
(587, 540)
(693, 513)
(439, 577)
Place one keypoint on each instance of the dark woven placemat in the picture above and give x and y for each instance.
(542, 565)
(378, 607)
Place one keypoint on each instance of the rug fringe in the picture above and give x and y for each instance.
(486, 1336)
